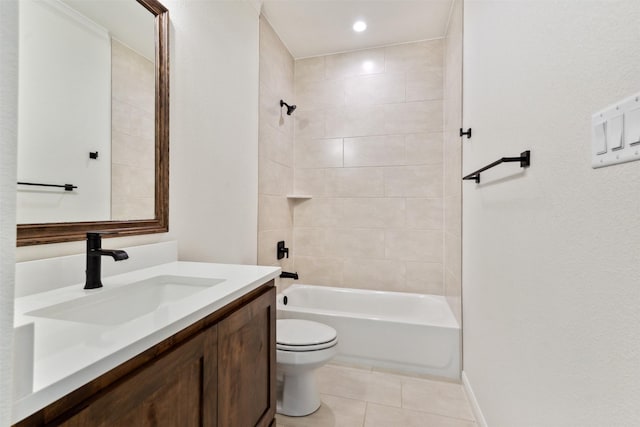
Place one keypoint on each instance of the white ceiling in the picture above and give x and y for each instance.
(320, 27)
(126, 20)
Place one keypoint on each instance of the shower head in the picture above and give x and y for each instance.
(290, 108)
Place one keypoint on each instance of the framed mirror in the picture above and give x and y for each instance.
(93, 133)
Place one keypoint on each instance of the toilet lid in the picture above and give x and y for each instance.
(304, 335)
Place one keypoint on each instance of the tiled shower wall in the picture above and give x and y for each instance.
(369, 150)
(453, 162)
(275, 142)
(133, 89)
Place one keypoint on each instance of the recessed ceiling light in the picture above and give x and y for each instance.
(359, 26)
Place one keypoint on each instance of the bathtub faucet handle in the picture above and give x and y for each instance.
(281, 250)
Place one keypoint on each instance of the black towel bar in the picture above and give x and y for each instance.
(67, 187)
(524, 159)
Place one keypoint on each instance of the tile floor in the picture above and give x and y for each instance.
(360, 397)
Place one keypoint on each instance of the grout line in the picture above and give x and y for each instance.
(418, 411)
(366, 410)
(428, 132)
(374, 166)
(341, 397)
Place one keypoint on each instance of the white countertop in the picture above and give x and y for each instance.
(69, 354)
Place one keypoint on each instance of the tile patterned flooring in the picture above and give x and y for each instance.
(361, 397)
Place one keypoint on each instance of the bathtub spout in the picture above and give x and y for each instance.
(287, 275)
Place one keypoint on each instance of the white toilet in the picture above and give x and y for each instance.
(302, 347)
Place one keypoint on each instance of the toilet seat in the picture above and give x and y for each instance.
(303, 348)
(304, 335)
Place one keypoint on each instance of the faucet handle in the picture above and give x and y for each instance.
(281, 250)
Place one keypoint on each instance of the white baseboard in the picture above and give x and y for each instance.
(473, 401)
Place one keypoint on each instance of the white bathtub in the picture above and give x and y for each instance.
(408, 332)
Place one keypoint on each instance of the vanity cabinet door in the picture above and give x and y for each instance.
(166, 392)
(247, 364)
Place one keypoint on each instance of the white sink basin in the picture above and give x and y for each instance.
(114, 306)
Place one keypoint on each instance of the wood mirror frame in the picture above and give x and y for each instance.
(37, 234)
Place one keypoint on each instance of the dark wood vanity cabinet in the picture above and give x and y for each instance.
(220, 371)
(247, 365)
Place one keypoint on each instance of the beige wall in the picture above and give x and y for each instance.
(275, 139)
(368, 148)
(452, 105)
(132, 141)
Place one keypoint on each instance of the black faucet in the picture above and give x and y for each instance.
(94, 259)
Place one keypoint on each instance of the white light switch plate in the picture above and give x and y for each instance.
(615, 133)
